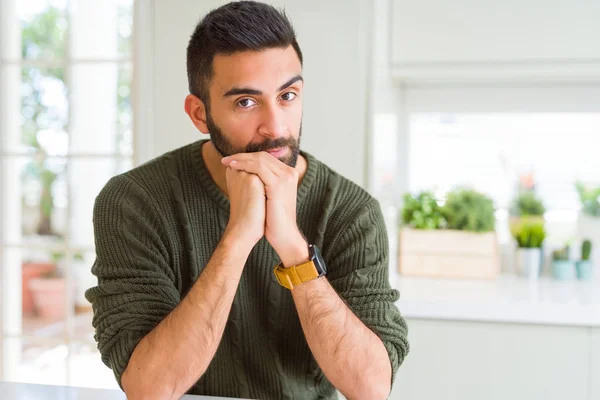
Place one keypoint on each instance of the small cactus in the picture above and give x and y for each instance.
(586, 250)
(561, 254)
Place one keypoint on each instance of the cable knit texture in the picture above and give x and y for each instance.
(157, 226)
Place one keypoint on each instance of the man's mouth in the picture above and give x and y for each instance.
(278, 152)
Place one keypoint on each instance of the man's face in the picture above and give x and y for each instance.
(256, 103)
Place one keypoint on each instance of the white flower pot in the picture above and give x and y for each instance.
(529, 262)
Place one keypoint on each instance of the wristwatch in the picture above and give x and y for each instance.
(296, 275)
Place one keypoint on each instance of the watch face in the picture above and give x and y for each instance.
(317, 259)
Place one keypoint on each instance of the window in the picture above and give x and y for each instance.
(491, 151)
(489, 137)
(495, 152)
(66, 127)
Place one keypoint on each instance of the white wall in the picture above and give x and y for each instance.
(333, 36)
(481, 360)
(467, 40)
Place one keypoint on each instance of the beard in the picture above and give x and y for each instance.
(226, 149)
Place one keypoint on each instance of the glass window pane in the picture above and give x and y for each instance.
(12, 107)
(11, 293)
(86, 368)
(101, 113)
(35, 361)
(107, 24)
(38, 276)
(35, 200)
(33, 293)
(502, 153)
(83, 279)
(495, 153)
(39, 30)
(84, 191)
(37, 110)
(48, 291)
(44, 286)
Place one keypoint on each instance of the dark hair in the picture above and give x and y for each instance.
(236, 26)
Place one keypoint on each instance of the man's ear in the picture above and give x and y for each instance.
(196, 110)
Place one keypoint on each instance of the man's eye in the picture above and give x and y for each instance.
(246, 103)
(288, 96)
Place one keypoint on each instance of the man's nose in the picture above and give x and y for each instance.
(273, 122)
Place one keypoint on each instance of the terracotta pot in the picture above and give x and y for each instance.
(49, 297)
(30, 271)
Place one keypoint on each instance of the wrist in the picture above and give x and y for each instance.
(235, 241)
(294, 252)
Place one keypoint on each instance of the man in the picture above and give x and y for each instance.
(262, 274)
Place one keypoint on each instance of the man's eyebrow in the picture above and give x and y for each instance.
(290, 82)
(253, 92)
(241, 90)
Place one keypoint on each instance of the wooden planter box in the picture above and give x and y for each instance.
(448, 254)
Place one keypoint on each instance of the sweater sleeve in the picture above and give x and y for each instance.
(358, 270)
(136, 287)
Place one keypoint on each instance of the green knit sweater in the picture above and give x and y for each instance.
(157, 226)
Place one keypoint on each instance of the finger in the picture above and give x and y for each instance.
(270, 161)
(266, 175)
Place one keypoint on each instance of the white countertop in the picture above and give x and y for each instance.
(509, 299)
(27, 391)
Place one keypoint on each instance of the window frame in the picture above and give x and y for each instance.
(140, 60)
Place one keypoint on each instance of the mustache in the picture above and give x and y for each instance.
(271, 144)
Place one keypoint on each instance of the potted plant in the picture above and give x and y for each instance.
(562, 267)
(589, 196)
(527, 204)
(454, 240)
(31, 269)
(588, 221)
(584, 266)
(469, 210)
(39, 170)
(422, 211)
(49, 292)
(529, 234)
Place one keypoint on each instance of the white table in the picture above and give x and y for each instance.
(28, 391)
(509, 299)
(500, 339)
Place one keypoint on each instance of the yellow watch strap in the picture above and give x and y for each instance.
(295, 275)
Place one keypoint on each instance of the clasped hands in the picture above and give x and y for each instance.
(262, 194)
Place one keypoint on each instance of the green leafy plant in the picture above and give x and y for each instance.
(529, 233)
(38, 170)
(527, 204)
(57, 257)
(586, 250)
(422, 211)
(469, 210)
(42, 36)
(561, 254)
(590, 198)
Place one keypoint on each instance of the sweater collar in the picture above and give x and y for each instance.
(217, 195)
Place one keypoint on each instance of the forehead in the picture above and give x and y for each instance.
(264, 70)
